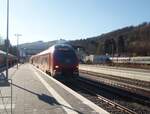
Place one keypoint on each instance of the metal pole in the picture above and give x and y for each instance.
(7, 40)
(112, 50)
(18, 56)
(17, 51)
(11, 95)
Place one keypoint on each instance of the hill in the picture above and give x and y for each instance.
(38, 46)
(128, 41)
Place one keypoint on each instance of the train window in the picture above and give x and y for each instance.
(65, 56)
(63, 49)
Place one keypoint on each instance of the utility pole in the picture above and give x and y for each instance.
(112, 50)
(7, 40)
(17, 36)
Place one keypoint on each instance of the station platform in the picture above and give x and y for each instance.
(34, 92)
(137, 74)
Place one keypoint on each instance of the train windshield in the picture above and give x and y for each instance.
(65, 57)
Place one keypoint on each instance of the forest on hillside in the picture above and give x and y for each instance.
(128, 41)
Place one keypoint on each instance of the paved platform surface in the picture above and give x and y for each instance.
(37, 93)
(137, 74)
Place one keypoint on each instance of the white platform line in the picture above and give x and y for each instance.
(66, 106)
(81, 98)
(8, 106)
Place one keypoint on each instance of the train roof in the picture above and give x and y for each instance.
(62, 46)
(55, 47)
(4, 53)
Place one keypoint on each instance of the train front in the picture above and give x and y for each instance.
(65, 62)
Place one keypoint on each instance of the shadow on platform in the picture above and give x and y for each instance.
(46, 98)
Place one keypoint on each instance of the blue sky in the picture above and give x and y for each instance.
(49, 20)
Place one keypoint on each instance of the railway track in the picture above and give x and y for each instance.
(128, 101)
(131, 85)
(112, 106)
(109, 98)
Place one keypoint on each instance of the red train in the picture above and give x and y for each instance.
(58, 60)
(12, 60)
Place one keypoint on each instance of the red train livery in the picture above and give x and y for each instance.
(59, 59)
(12, 60)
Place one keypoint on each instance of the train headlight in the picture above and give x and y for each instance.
(77, 66)
(56, 66)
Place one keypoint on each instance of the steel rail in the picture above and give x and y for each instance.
(112, 103)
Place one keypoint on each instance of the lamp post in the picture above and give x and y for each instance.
(7, 39)
(17, 36)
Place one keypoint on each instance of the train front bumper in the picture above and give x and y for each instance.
(66, 72)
